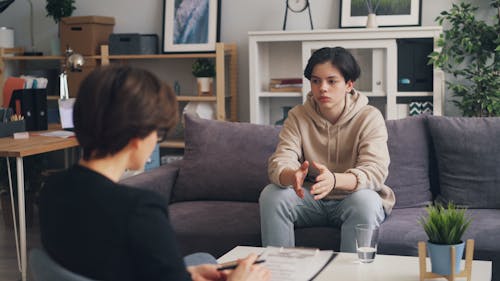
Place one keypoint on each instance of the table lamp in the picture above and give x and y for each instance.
(74, 63)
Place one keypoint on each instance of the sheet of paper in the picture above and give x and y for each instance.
(66, 112)
(295, 264)
(58, 134)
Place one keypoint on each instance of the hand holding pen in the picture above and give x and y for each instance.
(247, 269)
(233, 264)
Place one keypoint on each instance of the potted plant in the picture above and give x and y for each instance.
(372, 6)
(204, 71)
(58, 9)
(444, 228)
(471, 53)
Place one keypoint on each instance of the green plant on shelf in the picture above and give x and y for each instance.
(58, 9)
(203, 67)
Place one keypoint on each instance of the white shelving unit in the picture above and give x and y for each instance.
(284, 54)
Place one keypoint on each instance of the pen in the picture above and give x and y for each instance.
(234, 264)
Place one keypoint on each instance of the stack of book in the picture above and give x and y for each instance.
(285, 85)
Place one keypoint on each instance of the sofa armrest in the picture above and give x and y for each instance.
(161, 180)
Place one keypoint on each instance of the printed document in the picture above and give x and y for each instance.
(295, 264)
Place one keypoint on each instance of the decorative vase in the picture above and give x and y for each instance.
(441, 257)
(205, 86)
(55, 46)
(201, 109)
(371, 21)
(285, 115)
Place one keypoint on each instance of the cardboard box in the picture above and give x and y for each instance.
(85, 34)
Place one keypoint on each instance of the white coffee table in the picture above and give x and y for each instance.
(385, 267)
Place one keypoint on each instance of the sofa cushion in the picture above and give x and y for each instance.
(409, 143)
(224, 160)
(215, 227)
(468, 158)
(484, 230)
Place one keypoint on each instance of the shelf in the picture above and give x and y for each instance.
(280, 95)
(374, 94)
(196, 98)
(161, 56)
(414, 94)
(286, 53)
(16, 58)
(172, 144)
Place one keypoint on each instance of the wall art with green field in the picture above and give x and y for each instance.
(353, 13)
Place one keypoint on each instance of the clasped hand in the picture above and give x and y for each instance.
(323, 185)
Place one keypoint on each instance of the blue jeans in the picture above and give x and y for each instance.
(281, 210)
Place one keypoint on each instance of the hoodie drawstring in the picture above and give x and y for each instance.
(328, 142)
(337, 141)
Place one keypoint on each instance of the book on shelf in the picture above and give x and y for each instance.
(285, 85)
(286, 81)
(286, 89)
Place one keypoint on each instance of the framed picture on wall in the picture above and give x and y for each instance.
(353, 13)
(190, 25)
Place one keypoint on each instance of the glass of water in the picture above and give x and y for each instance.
(366, 242)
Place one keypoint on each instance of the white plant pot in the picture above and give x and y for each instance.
(371, 21)
(205, 86)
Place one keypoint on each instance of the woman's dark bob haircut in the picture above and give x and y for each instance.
(118, 103)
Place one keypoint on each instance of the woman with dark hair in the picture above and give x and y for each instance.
(332, 154)
(95, 227)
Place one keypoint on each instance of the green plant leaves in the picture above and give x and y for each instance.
(445, 225)
(59, 9)
(203, 68)
(471, 53)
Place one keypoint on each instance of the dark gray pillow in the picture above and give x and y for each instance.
(409, 148)
(224, 160)
(468, 155)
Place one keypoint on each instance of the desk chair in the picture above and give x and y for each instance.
(46, 269)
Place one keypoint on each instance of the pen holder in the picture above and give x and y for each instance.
(9, 128)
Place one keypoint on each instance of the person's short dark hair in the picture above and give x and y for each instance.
(118, 103)
(338, 57)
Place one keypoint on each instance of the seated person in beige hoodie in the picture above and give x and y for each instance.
(331, 161)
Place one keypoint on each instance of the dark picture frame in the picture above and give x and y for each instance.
(353, 13)
(190, 26)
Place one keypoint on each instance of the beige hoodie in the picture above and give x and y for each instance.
(356, 143)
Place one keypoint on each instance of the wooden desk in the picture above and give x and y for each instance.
(36, 144)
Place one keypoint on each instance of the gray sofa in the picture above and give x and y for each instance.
(213, 192)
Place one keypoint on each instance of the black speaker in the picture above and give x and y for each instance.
(414, 74)
(32, 105)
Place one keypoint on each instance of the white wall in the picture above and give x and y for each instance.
(237, 18)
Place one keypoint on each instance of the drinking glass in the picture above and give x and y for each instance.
(366, 242)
